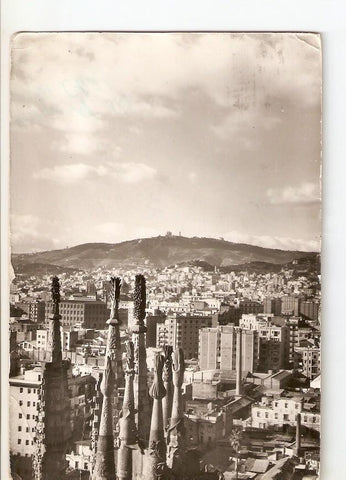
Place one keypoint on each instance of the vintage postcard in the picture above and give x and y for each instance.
(165, 297)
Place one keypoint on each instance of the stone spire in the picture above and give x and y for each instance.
(156, 455)
(142, 405)
(239, 386)
(53, 428)
(105, 463)
(176, 432)
(167, 381)
(54, 339)
(113, 348)
(128, 432)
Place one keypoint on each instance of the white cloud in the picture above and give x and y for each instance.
(72, 173)
(78, 143)
(305, 193)
(130, 172)
(243, 125)
(133, 172)
(232, 69)
(30, 234)
(282, 243)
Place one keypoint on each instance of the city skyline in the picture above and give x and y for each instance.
(122, 136)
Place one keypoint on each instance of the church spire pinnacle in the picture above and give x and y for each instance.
(54, 342)
(128, 431)
(105, 463)
(168, 383)
(176, 432)
(156, 458)
(142, 404)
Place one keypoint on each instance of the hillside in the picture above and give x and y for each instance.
(157, 252)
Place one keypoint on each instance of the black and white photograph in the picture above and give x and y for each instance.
(165, 232)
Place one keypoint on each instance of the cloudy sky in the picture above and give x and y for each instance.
(122, 136)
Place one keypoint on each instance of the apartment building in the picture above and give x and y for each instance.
(218, 348)
(183, 332)
(83, 313)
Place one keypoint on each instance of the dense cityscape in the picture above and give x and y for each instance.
(181, 372)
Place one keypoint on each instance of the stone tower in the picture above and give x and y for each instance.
(53, 431)
(113, 349)
(156, 454)
(104, 468)
(128, 431)
(176, 444)
(168, 384)
(141, 395)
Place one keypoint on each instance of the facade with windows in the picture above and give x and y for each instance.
(24, 398)
(182, 332)
(218, 349)
(311, 361)
(25, 391)
(82, 313)
(80, 458)
(277, 412)
(274, 341)
(68, 339)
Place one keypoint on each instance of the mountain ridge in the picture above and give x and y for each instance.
(159, 252)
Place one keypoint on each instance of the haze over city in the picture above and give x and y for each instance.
(118, 136)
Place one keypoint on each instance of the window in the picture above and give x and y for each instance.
(19, 428)
(27, 429)
(28, 404)
(285, 417)
(20, 415)
(19, 441)
(20, 402)
(258, 414)
(26, 442)
(21, 390)
(29, 390)
(28, 417)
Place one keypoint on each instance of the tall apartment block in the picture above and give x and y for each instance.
(272, 305)
(218, 349)
(182, 332)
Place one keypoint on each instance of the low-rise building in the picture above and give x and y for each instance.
(280, 411)
(310, 358)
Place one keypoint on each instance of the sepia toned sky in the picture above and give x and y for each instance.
(122, 136)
